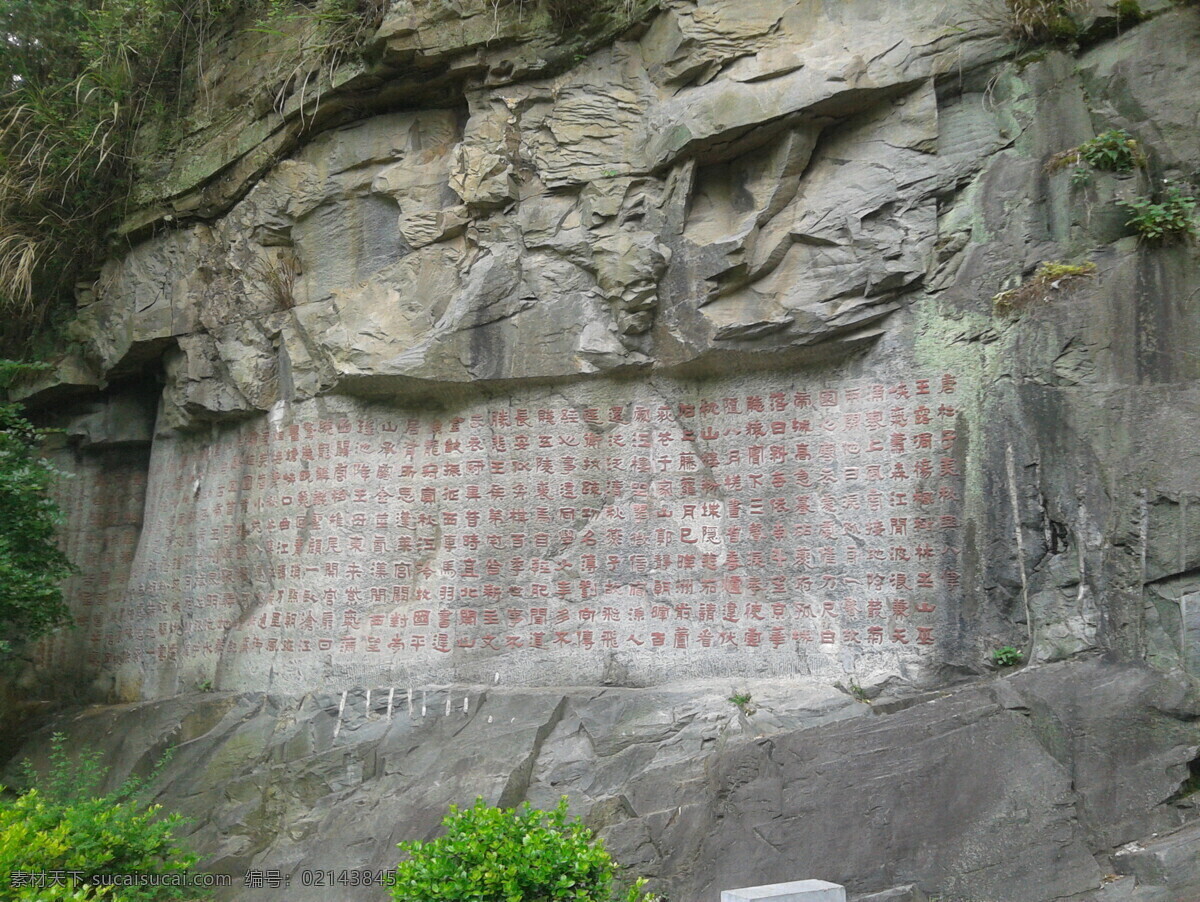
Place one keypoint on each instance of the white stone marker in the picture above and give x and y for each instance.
(797, 891)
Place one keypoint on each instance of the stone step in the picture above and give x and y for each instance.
(907, 893)
(1164, 860)
(796, 891)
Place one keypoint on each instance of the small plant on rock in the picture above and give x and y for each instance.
(1043, 21)
(1171, 218)
(742, 701)
(1112, 151)
(1007, 656)
(1050, 276)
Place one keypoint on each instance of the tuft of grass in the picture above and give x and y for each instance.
(278, 273)
(1050, 276)
(1042, 21)
(321, 36)
(577, 21)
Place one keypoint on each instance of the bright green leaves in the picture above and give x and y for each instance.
(1170, 217)
(32, 565)
(508, 855)
(66, 825)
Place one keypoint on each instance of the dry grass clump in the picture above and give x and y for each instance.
(277, 273)
(1033, 21)
(1044, 21)
(1050, 276)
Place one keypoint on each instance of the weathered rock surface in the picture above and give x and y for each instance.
(1002, 790)
(757, 213)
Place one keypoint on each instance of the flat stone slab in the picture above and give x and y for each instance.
(796, 891)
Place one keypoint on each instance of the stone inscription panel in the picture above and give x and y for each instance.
(740, 527)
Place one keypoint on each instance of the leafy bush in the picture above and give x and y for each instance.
(1171, 218)
(1112, 151)
(1007, 656)
(508, 855)
(31, 563)
(67, 826)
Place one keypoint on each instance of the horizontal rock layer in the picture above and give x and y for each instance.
(999, 791)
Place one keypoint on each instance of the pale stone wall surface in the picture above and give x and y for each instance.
(559, 536)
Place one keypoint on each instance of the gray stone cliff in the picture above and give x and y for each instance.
(478, 419)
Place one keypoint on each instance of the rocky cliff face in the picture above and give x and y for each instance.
(491, 367)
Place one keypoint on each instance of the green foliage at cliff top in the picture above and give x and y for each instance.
(77, 77)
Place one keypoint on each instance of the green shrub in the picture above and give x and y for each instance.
(1112, 151)
(1171, 218)
(32, 565)
(1007, 656)
(66, 825)
(508, 855)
